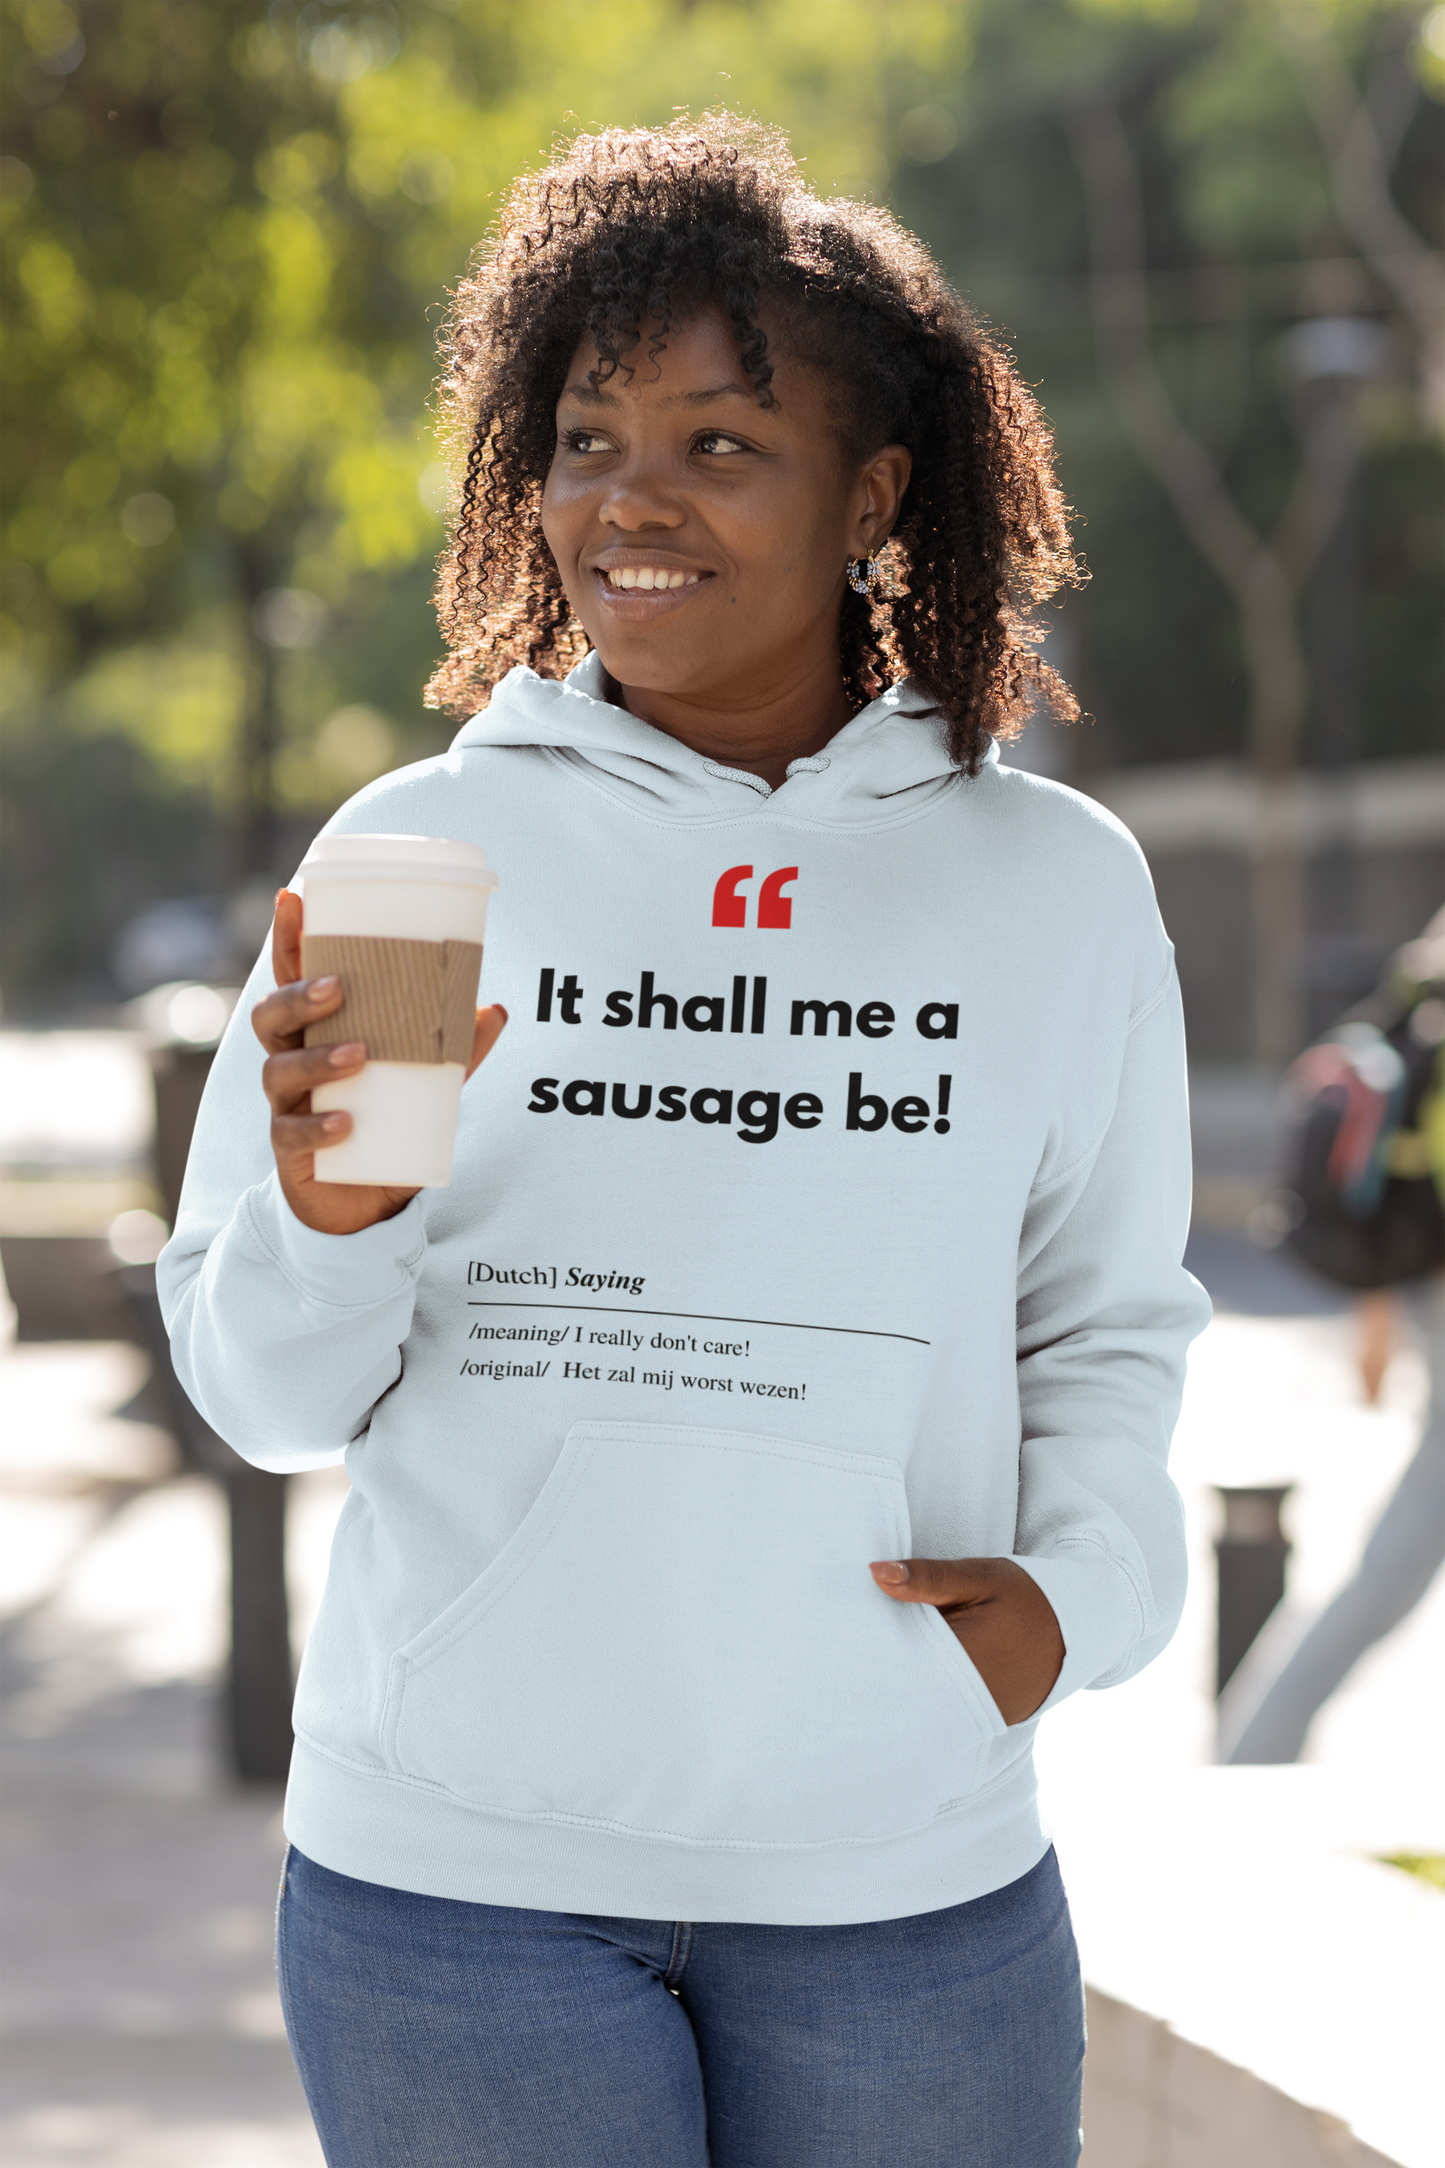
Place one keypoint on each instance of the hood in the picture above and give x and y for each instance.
(886, 763)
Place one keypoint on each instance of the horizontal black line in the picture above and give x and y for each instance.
(699, 1317)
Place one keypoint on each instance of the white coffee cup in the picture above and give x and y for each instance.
(410, 888)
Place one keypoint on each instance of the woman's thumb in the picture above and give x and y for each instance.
(911, 1580)
(930, 1580)
(490, 1025)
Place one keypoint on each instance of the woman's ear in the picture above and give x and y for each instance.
(878, 498)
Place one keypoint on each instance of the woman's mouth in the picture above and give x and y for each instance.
(651, 579)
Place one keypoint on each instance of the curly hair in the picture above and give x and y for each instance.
(641, 227)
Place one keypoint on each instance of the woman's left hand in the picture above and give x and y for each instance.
(999, 1613)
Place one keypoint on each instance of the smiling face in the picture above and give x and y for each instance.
(702, 538)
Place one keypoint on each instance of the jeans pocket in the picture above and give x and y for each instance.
(682, 1639)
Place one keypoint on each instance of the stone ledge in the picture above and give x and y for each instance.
(1153, 2100)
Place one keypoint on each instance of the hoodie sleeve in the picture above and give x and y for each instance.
(285, 1339)
(1106, 1313)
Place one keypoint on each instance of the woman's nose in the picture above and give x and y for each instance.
(637, 500)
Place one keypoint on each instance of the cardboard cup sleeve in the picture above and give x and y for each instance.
(410, 1001)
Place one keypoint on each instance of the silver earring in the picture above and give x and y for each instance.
(863, 574)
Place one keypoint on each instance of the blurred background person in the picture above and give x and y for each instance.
(1370, 1176)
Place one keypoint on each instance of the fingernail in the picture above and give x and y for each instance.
(891, 1569)
(341, 1057)
(320, 988)
(500, 1010)
(332, 1122)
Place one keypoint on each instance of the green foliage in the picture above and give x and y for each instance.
(222, 244)
(1250, 176)
(1243, 240)
(1427, 1866)
(227, 228)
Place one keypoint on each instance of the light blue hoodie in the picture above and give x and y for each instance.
(822, 1202)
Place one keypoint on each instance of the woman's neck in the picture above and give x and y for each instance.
(761, 733)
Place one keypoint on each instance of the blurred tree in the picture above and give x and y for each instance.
(1238, 168)
(215, 375)
(1301, 73)
(224, 229)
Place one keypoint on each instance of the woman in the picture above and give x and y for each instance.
(770, 1421)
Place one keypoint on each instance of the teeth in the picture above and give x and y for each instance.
(650, 577)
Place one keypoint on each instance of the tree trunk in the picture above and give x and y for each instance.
(1264, 576)
(1278, 877)
(256, 830)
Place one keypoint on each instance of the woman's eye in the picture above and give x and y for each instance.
(714, 443)
(585, 440)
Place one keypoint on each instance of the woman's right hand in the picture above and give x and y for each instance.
(292, 1069)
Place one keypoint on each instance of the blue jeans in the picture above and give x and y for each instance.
(434, 2034)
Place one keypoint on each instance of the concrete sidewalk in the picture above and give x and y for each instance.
(140, 2020)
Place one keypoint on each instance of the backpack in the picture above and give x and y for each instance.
(1365, 1116)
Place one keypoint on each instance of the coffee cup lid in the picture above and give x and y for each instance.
(398, 858)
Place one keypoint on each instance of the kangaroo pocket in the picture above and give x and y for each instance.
(683, 1639)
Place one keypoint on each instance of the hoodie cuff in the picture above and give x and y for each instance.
(346, 1271)
(1098, 1615)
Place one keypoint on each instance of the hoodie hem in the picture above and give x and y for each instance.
(376, 1828)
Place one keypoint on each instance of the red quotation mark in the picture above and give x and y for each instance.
(774, 908)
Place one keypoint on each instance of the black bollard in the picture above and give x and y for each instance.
(259, 1680)
(259, 1683)
(178, 1078)
(1251, 1552)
